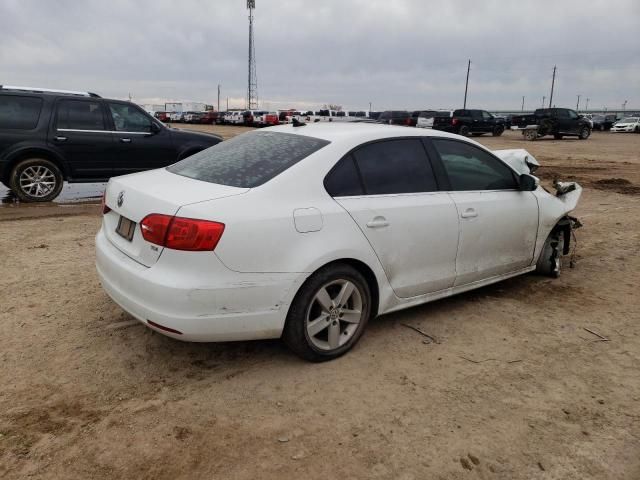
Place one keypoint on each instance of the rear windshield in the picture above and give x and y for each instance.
(20, 113)
(248, 160)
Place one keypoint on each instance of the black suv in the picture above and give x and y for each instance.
(49, 136)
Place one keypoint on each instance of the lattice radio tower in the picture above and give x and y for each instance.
(252, 89)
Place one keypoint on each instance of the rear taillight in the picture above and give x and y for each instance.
(181, 233)
(454, 121)
(103, 204)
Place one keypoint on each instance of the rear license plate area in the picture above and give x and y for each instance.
(126, 228)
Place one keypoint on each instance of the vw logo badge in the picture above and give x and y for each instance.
(120, 198)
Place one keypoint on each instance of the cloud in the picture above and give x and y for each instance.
(395, 54)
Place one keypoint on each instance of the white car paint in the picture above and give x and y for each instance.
(628, 124)
(276, 235)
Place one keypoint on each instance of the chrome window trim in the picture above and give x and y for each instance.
(102, 131)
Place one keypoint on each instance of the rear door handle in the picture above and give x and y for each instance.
(378, 222)
(58, 138)
(125, 140)
(469, 213)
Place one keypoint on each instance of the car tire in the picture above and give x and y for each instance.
(585, 133)
(530, 134)
(464, 131)
(499, 130)
(36, 180)
(320, 325)
(550, 260)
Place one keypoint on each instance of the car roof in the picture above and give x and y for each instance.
(351, 132)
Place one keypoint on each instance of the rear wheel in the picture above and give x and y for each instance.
(36, 180)
(497, 131)
(464, 131)
(585, 132)
(329, 313)
(530, 134)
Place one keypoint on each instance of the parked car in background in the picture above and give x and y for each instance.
(349, 233)
(267, 119)
(558, 122)
(209, 117)
(425, 118)
(470, 122)
(394, 117)
(162, 116)
(251, 118)
(236, 117)
(603, 122)
(49, 136)
(627, 124)
(220, 118)
(177, 117)
(193, 117)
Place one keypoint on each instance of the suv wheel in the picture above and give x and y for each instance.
(464, 131)
(530, 134)
(584, 133)
(36, 180)
(329, 313)
(499, 130)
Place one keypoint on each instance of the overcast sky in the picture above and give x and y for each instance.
(394, 53)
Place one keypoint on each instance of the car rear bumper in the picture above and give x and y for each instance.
(195, 296)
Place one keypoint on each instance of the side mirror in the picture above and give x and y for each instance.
(155, 128)
(528, 183)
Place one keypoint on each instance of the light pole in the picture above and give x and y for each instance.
(369, 107)
(522, 109)
(578, 104)
(624, 107)
(543, 97)
(586, 108)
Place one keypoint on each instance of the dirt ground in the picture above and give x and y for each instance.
(515, 388)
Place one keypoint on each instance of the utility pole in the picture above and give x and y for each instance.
(227, 104)
(578, 104)
(466, 85)
(522, 109)
(218, 97)
(369, 107)
(624, 107)
(553, 81)
(543, 97)
(586, 108)
(252, 88)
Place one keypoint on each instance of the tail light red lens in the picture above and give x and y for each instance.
(454, 121)
(181, 233)
(103, 204)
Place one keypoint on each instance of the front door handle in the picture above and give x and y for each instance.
(125, 140)
(469, 213)
(378, 222)
(58, 138)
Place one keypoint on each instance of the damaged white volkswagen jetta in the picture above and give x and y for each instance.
(305, 232)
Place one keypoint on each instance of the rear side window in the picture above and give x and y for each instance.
(79, 115)
(248, 160)
(343, 180)
(471, 168)
(19, 113)
(395, 166)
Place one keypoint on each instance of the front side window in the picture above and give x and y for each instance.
(248, 160)
(79, 115)
(487, 115)
(395, 166)
(572, 115)
(127, 118)
(471, 168)
(20, 113)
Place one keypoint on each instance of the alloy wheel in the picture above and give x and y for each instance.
(37, 181)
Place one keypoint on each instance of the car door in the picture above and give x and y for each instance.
(488, 122)
(498, 222)
(389, 189)
(78, 129)
(140, 145)
(573, 122)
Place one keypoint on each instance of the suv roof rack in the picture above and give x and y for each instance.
(48, 90)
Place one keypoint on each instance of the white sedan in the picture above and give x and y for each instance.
(628, 124)
(307, 232)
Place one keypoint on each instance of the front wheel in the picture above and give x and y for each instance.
(329, 313)
(585, 132)
(530, 134)
(36, 180)
(464, 131)
(550, 260)
(499, 130)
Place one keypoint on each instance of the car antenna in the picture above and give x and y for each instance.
(297, 123)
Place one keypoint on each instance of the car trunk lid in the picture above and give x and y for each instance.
(133, 197)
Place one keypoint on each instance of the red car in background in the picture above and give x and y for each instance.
(162, 116)
(209, 117)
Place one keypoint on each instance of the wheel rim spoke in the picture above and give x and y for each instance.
(318, 325)
(351, 316)
(323, 298)
(38, 181)
(334, 335)
(345, 293)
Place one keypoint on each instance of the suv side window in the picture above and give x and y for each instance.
(572, 115)
(127, 118)
(471, 168)
(395, 166)
(343, 180)
(20, 113)
(486, 115)
(79, 115)
(563, 113)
